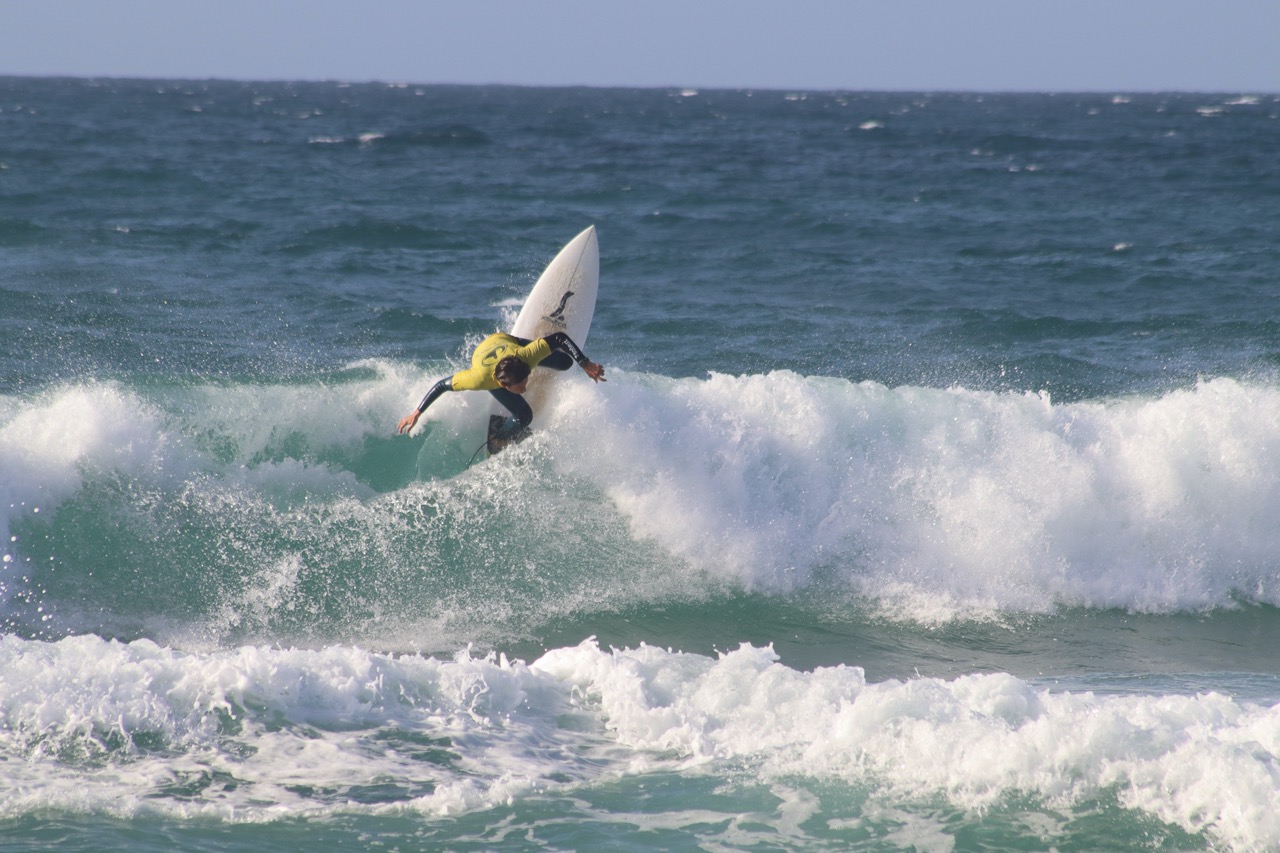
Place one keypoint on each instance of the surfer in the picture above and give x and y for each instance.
(501, 365)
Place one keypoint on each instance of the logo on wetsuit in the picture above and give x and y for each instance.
(495, 355)
(556, 317)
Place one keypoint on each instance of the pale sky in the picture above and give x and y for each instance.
(984, 45)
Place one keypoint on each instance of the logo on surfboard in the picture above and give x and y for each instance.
(556, 317)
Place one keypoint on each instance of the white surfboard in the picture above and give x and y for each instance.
(562, 300)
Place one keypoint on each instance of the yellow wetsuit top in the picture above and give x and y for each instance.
(493, 349)
(490, 351)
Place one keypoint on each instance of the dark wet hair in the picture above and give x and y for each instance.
(511, 371)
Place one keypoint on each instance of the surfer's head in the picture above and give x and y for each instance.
(512, 374)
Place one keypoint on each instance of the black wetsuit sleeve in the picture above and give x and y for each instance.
(439, 388)
(561, 341)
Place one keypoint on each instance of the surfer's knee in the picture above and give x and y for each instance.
(516, 405)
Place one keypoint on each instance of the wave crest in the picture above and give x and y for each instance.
(296, 509)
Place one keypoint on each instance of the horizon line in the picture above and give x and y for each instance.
(690, 88)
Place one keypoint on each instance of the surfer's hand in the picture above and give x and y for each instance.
(595, 371)
(407, 423)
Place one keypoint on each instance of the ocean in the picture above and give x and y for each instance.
(932, 502)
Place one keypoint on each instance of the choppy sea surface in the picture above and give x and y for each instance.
(932, 502)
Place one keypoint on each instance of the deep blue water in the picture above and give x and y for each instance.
(930, 502)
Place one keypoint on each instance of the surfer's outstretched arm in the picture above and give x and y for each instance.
(408, 421)
(561, 341)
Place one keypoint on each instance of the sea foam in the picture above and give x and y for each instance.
(942, 502)
(932, 504)
(260, 734)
